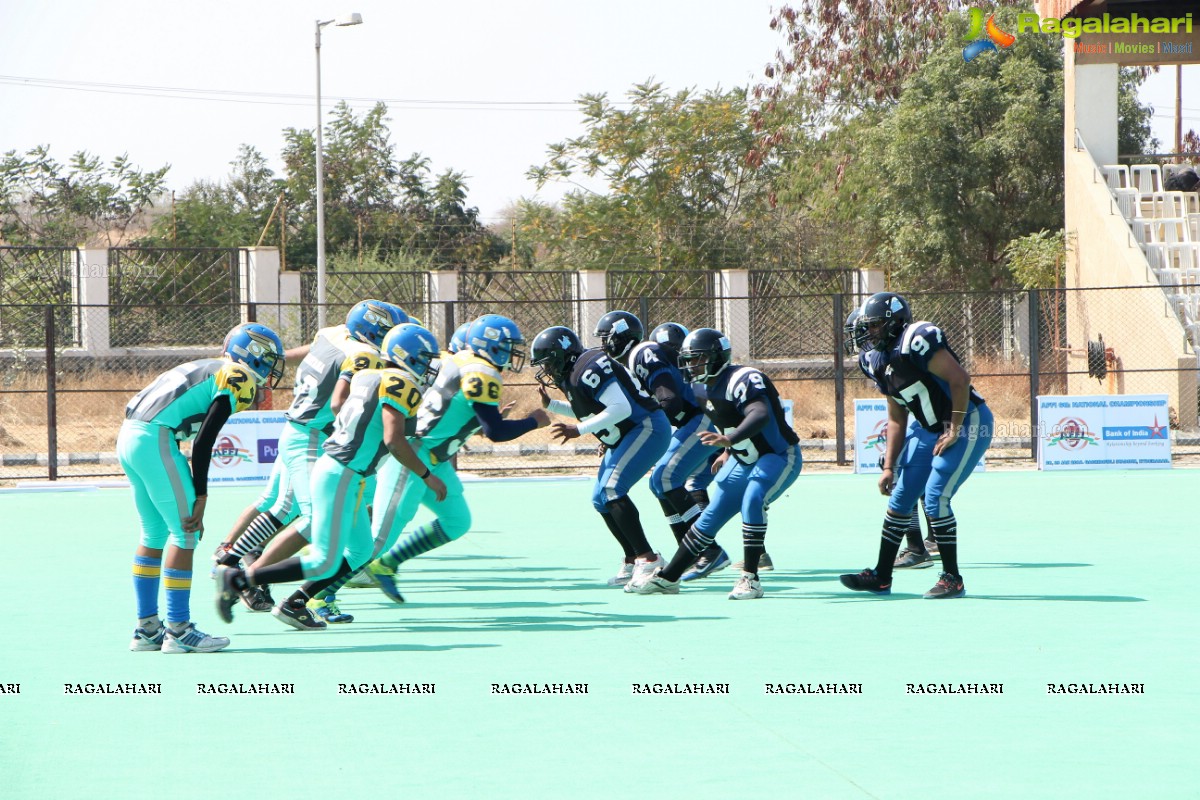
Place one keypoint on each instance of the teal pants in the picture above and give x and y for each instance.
(161, 481)
(341, 527)
(299, 448)
(400, 494)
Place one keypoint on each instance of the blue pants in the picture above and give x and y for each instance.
(939, 477)
(749, 489)
(685, 457)
(626, 462)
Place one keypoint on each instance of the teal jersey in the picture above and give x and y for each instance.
(447, 419)
(179, 398)
(357, 439)
(333, 354)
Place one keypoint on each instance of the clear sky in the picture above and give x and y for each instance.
(480, 87)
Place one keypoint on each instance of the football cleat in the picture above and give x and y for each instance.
(643, 569)
(764, 563)
(227, 593)
(144, 640)
(385, 576)
(748, 587)
(298, 616)
(623, 575)
(655, 584)
(911, 559)
(866, 581)
(192, 640)
(706, 566)
(931, 547)
(257, 598)
(327, 610)
(948, 586)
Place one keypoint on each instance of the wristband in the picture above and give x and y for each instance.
(428, 472)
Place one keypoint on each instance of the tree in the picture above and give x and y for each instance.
(1037, 260)
(1133, 118)
(680, 192)
(47, 203)
(969, 159)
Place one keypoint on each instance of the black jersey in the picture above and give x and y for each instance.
(593, 373)
(734, 389)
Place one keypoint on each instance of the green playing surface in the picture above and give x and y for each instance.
(1072, 578)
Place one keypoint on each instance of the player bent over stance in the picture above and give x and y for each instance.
(912, 363)
(192, 400)
(635, 432)
(761, 460)
(369, 426)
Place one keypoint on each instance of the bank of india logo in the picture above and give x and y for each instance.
(1071, 434)
(229, 451)
(986, 36)
(877, 438)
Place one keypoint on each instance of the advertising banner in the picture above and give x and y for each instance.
(870, 436)
(246, 448)
(1104, 432)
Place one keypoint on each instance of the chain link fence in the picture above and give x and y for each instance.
(61, 404)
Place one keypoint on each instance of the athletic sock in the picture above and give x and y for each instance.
(913, 534)
(678, 526)
(178, 583)
(753, 545)
(946, 533)
(625, 514)
(701, 497)
(290, 569)
(630, 553)
(694, 543)
(257, 534)
(422, 540)
(335, 581)
(146, 572)
(894, 526)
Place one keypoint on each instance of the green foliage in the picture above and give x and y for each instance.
(48, 203)
(1037, 260)
(680, 192)
(1133, 118)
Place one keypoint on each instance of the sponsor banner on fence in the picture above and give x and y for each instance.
(870, 436)
(1104, 432)
(246, 448)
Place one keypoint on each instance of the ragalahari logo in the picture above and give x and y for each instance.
(984, 37)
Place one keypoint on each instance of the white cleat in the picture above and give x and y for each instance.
(656, 585)
(643, 569)
(192, 640)
(749, 587)
(623, 575)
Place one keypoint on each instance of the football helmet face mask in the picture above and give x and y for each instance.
(854, 334)
(459, 340)
(554, 352)
(885, 315)
(370, 321)
(414, 349)
(497, 339)
(257, 348)
(619, 331)
(670, 335)
(705, 353)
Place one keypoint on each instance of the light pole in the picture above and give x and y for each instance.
(352, 19)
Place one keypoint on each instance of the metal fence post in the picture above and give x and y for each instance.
(644, 314)
(1035, 367)
(51, 398)
(839, 378)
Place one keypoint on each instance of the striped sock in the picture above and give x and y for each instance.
(179, 593)
(422, 540)
(694, 543)
(257, 534)
(945, 530)
(146, 572)
(753, 545)
(894, 527)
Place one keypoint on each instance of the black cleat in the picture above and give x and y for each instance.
(866, 581)
(948, 586)
(227, 590)
(298, 616)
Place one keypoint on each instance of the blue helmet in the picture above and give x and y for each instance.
(670, 335)
(459, 340)
(498, 339)
(413, 349)
(257, 348)
(370, 320)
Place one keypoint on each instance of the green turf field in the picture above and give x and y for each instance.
(1071, 578)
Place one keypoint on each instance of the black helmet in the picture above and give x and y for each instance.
(889, 314)
(619, 331)
(854, 335)
(705, 352)
(554, 352)
(670, 335)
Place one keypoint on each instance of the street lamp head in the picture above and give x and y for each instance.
(350, 19)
